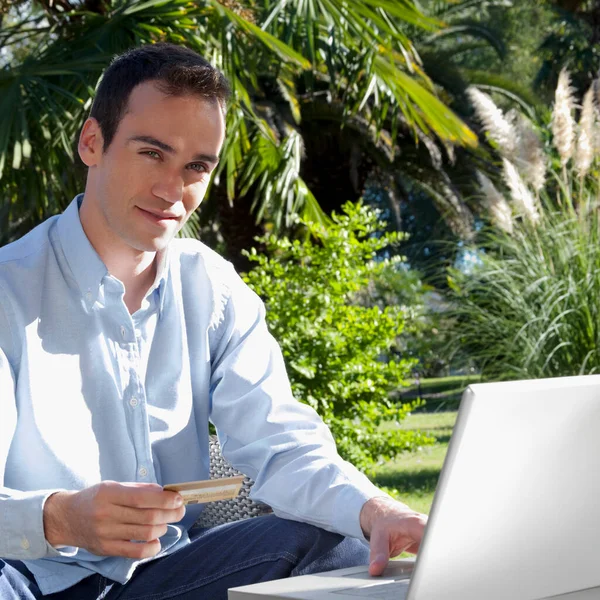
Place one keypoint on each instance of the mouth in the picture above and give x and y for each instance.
(160, 218)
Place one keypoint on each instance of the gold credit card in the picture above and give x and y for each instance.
(200, 492)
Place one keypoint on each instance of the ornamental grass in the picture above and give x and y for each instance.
(530, 306)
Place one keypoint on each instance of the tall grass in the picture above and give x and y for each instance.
(531, 306)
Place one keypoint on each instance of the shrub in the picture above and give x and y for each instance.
(338, 348)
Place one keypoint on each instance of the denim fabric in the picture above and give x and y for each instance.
(217, 559)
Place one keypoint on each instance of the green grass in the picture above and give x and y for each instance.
(439, 393)
(440, 384)
(412, 478)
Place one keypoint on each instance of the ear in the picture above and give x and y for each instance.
(91, 143)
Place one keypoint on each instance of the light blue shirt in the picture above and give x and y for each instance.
(89, 392)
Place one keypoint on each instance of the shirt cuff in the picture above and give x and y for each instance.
(22, 526)
(349, 503)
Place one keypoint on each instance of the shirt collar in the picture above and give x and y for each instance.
(160, 282)
(87, 266)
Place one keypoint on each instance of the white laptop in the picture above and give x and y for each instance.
(516, 514)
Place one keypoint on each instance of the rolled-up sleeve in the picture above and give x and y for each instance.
(273, 438)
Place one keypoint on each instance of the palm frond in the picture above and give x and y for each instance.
(474, 30)
(279, 54)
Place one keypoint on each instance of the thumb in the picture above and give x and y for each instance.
(380, 551)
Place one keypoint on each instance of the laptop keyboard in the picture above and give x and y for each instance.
(392, 590)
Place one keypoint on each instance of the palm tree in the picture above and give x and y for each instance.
(572, 43)
(292, 65)
(430, 190)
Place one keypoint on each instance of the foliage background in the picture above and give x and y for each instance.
(338, 101)
(528, 308)
(307, 77)
(339, 343)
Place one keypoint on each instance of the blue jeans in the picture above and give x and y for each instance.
(218, 558)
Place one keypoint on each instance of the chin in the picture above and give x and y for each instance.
(151, 245)
(158, 245)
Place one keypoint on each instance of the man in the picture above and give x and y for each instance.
(119, 343)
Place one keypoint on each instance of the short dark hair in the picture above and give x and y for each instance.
(177, 71)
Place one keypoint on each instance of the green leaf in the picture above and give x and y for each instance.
(283, 50)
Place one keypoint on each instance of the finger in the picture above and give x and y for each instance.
(144, 496)
(380, 551)
(413, 548)
(127, 533)
(417, 531)
(146, 516)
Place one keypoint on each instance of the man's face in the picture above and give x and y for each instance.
(157, 168)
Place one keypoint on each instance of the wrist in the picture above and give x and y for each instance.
(55, 515)
(373, 508)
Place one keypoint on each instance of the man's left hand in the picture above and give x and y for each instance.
(391, 528)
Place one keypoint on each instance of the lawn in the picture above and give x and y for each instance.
(440, 393)
(412, 478)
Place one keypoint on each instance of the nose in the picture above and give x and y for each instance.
(169, 188)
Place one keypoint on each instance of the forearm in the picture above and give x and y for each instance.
(299, 474)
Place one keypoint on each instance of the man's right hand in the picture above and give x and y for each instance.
(106, 517)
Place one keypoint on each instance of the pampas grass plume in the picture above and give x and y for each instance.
(519, 192)
(494, 123)
(563, 124)
(530, 158)
(596, 139)
(584, 155)
(498, 207)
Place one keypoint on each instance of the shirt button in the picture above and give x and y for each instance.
(123, 331)
(25, 543)
(143, 472)
(133, 402)
(88, 296)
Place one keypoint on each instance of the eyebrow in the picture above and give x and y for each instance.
(148, 139)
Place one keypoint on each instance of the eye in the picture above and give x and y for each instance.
(151, 153)
(198, 167)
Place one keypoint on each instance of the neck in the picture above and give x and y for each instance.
(136, 269)
(137, 275)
